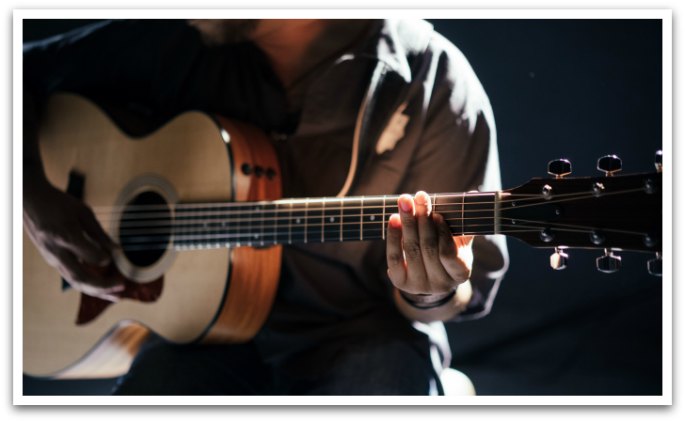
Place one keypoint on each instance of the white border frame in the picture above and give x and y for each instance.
(667, 48)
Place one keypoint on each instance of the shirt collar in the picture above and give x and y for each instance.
(395, 42)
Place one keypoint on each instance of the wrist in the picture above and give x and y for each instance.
(427, 301)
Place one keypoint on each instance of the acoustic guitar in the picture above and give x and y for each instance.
(195, 206)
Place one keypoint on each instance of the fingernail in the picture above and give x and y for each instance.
(395, 221)
(421, 197)
(406, 203)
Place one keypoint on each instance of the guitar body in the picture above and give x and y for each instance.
(216, 295)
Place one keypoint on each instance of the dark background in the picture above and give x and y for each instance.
(577, 89)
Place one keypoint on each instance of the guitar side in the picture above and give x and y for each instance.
(203, 295)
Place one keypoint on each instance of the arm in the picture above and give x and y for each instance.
(62, 228)
(457, 153)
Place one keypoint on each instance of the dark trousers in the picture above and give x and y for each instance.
(363, 366)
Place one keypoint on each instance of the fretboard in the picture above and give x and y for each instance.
(309, 220)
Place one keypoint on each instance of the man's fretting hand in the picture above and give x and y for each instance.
(426, 263)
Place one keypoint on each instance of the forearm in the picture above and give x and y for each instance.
(445, 312)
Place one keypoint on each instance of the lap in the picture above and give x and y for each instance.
(163, 368)
(362, 366)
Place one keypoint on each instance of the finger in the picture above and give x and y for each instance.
(85, 280)
(458, 269)
(416, 273)
(397, 270)
(464, 246)
(96, 232)
(86, 249)
(428, 240)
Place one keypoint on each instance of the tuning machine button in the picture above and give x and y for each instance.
(608, 263)
(654, 266)
(609, 164)
(558, 259)
(658, 161)
(559, 168)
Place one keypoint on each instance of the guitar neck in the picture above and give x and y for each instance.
(318, 220)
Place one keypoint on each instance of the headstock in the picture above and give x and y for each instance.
(611, 213)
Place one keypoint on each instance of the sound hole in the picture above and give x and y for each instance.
(145, 228)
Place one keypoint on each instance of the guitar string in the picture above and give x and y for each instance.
(281, 202)
(280, 214)
(323, 224)
(287, 201)
(179, 222)
(356, 227)
(335, 235)
(260, 242)
(254, 217)
(255, 208)
(198, 233)
(269, 242)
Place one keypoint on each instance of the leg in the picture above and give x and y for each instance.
(162, 368)
(375, 366)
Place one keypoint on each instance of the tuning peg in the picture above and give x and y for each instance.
(559, 168)
(654, 266)
(558, 259)
(608, 263)
(609, 164)
(657, 161)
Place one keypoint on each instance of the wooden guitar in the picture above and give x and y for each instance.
(196, 209)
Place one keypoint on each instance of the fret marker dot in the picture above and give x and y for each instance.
(372, 217)
(332, 219)
(297, 221)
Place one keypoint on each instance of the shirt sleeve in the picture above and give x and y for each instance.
(155, 69)
(108, 58)
(457, 152)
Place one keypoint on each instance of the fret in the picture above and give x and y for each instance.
(231, 224)
(212, 226)
(182, 223)
(350, 215)
(361, 220)
(239, 223)
(270, 223)
(463, 201)
(257, 219)
(383, 217)
(372, 218)
(290, 223)
(315, 221)
(496, 214)
(341, 218)
(298, 223)
(306, 218)
(479, 211)
(331, 221)
(451, 208)
(323, 220)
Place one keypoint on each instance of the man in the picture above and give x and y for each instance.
(397, 98)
